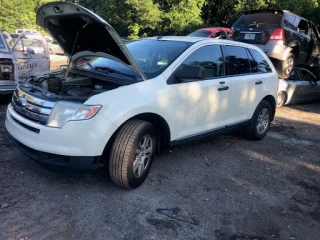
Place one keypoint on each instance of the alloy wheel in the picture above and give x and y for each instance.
(143, 156)
(263, 121)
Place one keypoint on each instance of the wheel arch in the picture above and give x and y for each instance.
(272, 102)
(160, 124)
(295, 48)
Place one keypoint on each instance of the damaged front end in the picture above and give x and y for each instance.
(56, 86)
(55, 97)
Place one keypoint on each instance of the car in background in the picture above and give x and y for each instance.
(213, 32)
(54, 48)
(131, 100)
(301, 86)
(31, 55)
(7, 71)
(19, 31)
(288, 39)
(7, 36)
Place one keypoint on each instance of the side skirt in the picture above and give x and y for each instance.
(205, 135)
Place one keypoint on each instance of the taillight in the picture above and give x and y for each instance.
(278, 34)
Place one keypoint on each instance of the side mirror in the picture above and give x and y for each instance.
(188, 73)
(30, 50)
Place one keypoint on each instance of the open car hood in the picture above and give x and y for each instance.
(77, 29)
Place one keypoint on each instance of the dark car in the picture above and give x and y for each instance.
(287, 38)
(212, 32)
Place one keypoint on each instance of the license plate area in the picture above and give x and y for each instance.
(249, 36)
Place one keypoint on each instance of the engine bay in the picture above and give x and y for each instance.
(75, 86)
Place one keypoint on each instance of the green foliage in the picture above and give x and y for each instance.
(139, 18)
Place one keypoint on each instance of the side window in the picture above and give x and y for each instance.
(237, 61)
(303, 27)
(209, 57)
(260, 64)
(34, 43)
(289, 21)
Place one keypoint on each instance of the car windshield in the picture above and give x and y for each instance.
(260, 18)
(200, 33)
(152, 56)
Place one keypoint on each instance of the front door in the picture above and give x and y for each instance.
(199, 106)
(31, 56)
(304, 39)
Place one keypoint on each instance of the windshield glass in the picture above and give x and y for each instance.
(261, 18)
(200, 33)
(152, 56)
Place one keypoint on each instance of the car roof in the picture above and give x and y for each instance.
(176, 38)
(202, 40)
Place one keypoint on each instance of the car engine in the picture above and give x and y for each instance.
(75, 87)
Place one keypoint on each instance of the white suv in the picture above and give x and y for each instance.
(123, 103)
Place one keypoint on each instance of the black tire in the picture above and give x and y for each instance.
(252, 130)
(285, 68)
(281, 99)
(125, 152)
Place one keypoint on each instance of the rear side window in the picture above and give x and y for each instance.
(209, 57)
(259, 64)
(303, 27)
(237, 61)
(289, 21)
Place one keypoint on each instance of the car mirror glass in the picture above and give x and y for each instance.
(30, 50)
(186, 73)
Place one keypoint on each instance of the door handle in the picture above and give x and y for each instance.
(223, 89)
(258, 82)
(222, 82)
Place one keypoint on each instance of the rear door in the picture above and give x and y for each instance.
(31, 56)
(245, 93)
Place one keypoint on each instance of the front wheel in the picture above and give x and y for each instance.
(132, 154)
(260, 122)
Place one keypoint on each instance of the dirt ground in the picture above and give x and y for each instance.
(227, 188)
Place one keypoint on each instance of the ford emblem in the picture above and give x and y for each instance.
(22, 101)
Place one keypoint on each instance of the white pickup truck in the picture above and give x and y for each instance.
(23, 57)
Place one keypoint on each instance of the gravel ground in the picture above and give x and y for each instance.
(227, 188)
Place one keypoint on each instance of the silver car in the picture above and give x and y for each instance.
(302, 86)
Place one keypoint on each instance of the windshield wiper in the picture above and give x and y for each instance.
(107, 70)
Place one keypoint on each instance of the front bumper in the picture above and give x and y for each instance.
(86, 138)
(76, 166)
(7, 87)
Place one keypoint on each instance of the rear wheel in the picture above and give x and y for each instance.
(260, 122)
(132, 154)
(286, 67)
